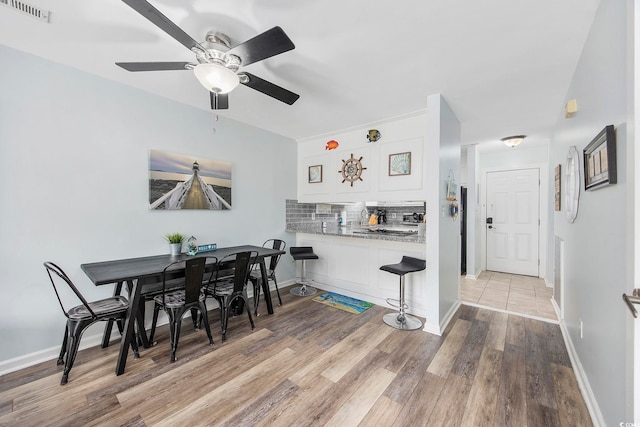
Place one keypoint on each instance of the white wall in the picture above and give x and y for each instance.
(74, 170)
(443, 233)
(633, 163)
(595, 269)
(474, 212)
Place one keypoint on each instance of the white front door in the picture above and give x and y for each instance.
(513, 221)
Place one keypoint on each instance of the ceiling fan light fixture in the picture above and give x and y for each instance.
(512, 141)
(216, 78)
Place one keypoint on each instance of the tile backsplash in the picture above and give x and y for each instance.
(301, 216)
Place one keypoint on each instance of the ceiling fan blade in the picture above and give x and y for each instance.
(219, 101)
(270, 43)
(153, 66)
(270, 89)
(165, 24)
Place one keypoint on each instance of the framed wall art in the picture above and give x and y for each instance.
(315, 174)
(400, 164)
(180, 182)
(600, 160)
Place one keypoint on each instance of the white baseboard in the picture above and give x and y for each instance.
(583, 381)
(557, 309)
(547, 283)
(51, 353)
(432, 328)
(439, 329)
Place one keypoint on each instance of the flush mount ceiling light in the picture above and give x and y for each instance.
(512, 141)
(216, 78)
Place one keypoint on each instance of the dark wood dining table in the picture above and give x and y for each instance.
(136, 272)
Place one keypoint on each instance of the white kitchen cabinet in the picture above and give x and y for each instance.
(376, 183)
(352, 267)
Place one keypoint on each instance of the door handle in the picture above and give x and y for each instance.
(631, 300)
(491, 226)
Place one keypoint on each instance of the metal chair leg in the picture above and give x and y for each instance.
(63, 350)
(277, 290)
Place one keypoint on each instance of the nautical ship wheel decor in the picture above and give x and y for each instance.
(351, 170)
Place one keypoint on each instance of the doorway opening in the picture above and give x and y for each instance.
(513, 221)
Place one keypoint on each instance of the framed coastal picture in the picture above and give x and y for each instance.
(182, 181)
(600, 166)
(315, 174)
(400, 164)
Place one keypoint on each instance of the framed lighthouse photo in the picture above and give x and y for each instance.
(182, 181)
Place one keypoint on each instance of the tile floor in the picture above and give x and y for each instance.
(517, 294)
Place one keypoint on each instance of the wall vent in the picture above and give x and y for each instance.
(35, 12)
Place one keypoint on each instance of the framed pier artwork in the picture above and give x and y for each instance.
(182, 181)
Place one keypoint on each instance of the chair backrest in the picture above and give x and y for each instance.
(193, 277)
(242, 263)
(274, 244)
(55, 275)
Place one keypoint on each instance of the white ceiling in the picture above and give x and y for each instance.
(504, 66)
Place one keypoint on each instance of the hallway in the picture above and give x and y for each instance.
(516, 294)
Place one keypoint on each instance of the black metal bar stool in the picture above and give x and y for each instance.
(401, 320)
(302, 253)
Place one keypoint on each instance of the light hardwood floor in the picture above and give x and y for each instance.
(312, 365)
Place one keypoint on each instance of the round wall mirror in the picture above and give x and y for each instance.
(572, 184)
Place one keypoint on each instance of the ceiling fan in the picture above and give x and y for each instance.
(217, 62)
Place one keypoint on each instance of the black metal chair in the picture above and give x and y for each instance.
(256, 276)
(227, 290)
(154, 287)
(401, 320)
(82, 316)
(177, 302)
(302, 253)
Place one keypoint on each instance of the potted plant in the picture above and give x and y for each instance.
(175, 242)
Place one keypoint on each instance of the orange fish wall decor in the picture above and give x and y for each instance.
(332, 145)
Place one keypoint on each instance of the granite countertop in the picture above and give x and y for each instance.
(396, 234)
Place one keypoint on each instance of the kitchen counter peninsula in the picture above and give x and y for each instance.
(350, 259)
(390, 233)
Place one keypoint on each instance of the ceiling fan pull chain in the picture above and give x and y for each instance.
(215, 121)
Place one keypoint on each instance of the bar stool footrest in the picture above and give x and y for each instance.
(395, 303)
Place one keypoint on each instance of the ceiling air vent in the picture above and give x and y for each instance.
(42, 15)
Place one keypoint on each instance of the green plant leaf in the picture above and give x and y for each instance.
(174, 238)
